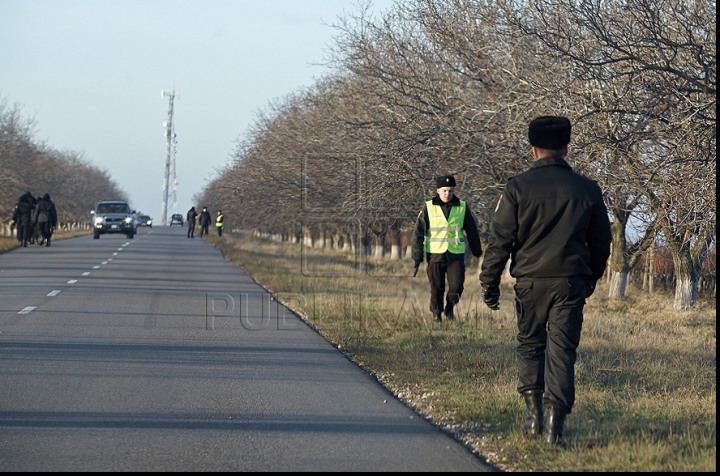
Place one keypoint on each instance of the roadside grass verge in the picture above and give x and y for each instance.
(646, 374)
(8, 243)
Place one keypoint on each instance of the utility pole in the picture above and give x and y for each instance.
(170, 136)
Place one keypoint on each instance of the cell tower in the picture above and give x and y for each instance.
(169, 156)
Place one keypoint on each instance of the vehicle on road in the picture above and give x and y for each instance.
(176, 219)
(144, 220)
(113, 216)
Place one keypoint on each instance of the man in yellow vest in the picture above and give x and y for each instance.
(220, 222)
(438, 237)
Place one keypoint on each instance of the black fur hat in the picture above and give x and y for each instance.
(549, 132)
(445, 181)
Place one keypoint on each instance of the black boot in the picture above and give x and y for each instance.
(533, 424)
(48, 242)
(555, 426)
(449, 311)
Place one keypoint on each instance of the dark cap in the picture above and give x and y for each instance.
(549, 132)
(445, 181)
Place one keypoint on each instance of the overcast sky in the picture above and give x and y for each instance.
(90, 72)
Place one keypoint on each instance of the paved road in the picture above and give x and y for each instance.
(157, 354)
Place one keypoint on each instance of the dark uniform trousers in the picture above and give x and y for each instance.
(437, 272)
(550, 315)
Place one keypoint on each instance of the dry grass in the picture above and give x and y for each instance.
(645, 373)
(8, 243)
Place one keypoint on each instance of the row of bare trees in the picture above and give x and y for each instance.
(448, 86)
(27, 165)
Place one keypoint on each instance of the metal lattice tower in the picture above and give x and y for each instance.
(169, 157)
(174, 172)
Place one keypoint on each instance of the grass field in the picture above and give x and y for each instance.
(645, 373)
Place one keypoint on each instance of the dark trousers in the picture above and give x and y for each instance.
(219, 230)
(25, 232)
(203, 230)
(45, 228)
(191, 228)
(549, 319)
(454, 271)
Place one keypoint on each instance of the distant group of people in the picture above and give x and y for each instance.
(34, 219)
(203, 219)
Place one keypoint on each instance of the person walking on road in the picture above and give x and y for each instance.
(220, 222)
(438, 238)
(45, 219)
(204, 220)
(190, 218)
(552, 223)
(22, 217)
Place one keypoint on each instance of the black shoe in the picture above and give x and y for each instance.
(41, 242)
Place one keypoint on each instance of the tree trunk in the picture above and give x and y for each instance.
(687, 276)
(380, 245)
(396, 248)
(618, 284)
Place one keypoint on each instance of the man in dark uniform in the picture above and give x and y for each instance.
(190, 218)
(553, 224)
(204, 220)
(22, 217)
(45, 219)
(438, 235)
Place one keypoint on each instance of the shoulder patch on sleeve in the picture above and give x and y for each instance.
(498, 203)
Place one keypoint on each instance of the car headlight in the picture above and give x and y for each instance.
(149, 222)
(99, 220)
(128, 220)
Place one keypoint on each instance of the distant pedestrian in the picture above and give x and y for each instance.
(204, 222)
(45, 219)
(220, 222)
(22, 217)
(190, 218)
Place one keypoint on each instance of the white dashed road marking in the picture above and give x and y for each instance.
(27, 310)
(54, 293)
(72, 281)
(86, 273)
(96, 267)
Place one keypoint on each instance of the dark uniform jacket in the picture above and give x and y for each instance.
(552, 222)
(45, 212)
(191, 215)
(23, 213)
(204, 218)
(423, 223)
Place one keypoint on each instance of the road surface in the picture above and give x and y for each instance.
(157, 354)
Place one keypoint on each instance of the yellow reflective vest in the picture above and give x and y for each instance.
(445, 234)
(219, 220)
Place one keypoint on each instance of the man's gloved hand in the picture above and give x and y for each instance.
(491, 296)
(590, 289)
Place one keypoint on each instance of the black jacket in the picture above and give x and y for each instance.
(45, 212)
(552, 222)
(204, 219)
(423, 223)
(22, 215)
(191, 215)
